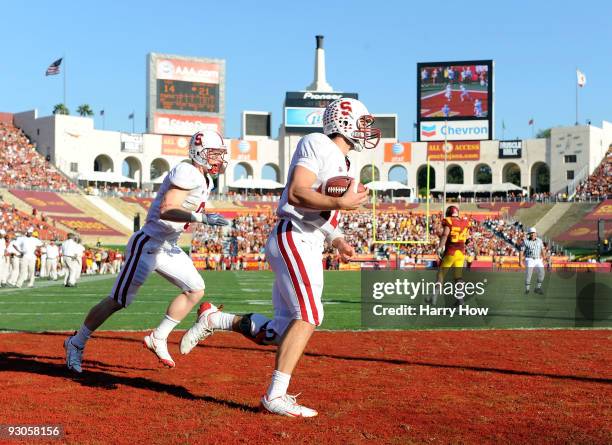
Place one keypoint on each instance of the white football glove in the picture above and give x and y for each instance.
(212, 219)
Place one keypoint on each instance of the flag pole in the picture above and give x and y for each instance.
(65, 65)
(576, 95)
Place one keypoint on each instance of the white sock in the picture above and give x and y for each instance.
(222, 320)
(81, 337)
(162, 331)
(278, 386)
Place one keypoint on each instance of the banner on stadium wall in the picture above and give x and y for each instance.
(187, 70)
(186, 125)
(242, 150)
(175, 145)
(510, 149)
(602, 211)
(456, 151)
(398, 152)
(86, 225)
(47, 202)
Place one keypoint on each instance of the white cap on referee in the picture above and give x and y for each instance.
(532, 230)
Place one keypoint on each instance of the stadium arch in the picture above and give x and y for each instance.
(132, 168)
(511, 172)
(540, 178)
(454, 174)
(483, 174)
(422, 179)
(270, 171)
(242, 170)
(158, 167)
(398, 173)
(103, 163)
(365, 175)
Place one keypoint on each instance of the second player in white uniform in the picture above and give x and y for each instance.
(180, 201)
(307, 218)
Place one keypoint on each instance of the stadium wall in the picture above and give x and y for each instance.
(73, 144)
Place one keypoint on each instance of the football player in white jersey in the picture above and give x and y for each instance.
(180, 201)
(307, 218)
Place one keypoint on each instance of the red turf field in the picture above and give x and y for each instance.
(369, 387)
(432, 105)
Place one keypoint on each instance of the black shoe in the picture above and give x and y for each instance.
(539, 291)
(526, 291)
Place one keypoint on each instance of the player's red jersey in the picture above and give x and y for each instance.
(459, 231)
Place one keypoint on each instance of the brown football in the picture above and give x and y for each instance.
(338, 185)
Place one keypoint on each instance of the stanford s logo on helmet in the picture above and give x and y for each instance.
(351, 119)
(208, 149)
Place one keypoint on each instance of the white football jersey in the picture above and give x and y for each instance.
(185, 176)
(28, 245)
(320, 155)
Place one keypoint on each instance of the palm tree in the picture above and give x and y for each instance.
(85, 110)
(61, 109)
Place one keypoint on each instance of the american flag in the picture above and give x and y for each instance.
(54, 68)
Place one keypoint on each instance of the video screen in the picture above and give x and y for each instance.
(449, 90)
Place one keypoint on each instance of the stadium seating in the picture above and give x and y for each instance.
(22, 167)
(599, 184)
(14, 221)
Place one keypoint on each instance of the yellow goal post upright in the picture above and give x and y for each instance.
(400, 242)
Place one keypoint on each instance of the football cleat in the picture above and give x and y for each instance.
(74, 355)
(287, 406)
(160, 348)
(201, 329)
(538, 290)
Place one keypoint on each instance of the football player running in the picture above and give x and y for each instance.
(294, 249)
(451, 249)
(180, 201)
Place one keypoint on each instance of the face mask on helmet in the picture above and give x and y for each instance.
(366, 136)
(208, 150)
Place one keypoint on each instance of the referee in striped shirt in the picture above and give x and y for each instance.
(531, 256)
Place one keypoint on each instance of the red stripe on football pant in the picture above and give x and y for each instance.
(303, 273)
(296, 284)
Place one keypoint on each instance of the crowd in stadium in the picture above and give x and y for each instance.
(599, 184)
(21, 166)
(14, 221)
(247, 235)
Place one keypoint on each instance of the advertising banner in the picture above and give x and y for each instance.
(398, 152)
(243, 150)
(187, 70)
(457, 151)
(86, 225)
(510, 149)
(177, 124)
(175, 145)
(46, 202)
(454, 130)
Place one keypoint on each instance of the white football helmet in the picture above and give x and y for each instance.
(208, 149)
(351, 119)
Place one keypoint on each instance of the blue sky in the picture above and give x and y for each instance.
(372, 48)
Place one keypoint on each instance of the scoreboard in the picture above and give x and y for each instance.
(187, 96)
(184, 94)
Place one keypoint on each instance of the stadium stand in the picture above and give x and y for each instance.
(22, 167)
(14, 221)
(599, 184)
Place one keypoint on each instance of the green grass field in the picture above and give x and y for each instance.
(54, 307)
(50, 306)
